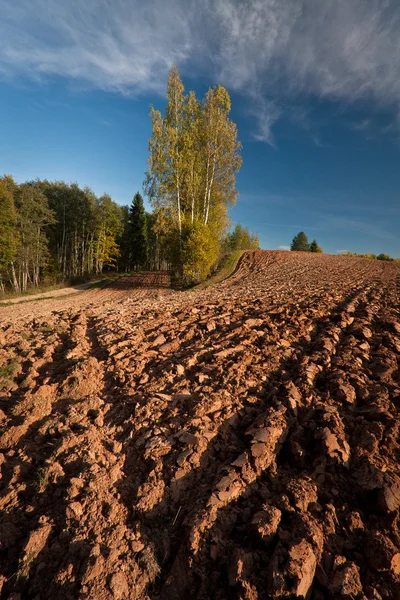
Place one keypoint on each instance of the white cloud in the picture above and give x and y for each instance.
(266, 113)
(122, 46)
(284, 248)
(271, 51)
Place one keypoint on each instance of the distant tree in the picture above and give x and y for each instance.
(254, 241)
(139, 245)
(300, 242)
(384, 257)
(355, 255)
(314, 247)
(241, 239)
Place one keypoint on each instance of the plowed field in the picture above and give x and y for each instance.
(236, 442)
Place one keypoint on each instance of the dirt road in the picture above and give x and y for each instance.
(65, 291)
(236, 442)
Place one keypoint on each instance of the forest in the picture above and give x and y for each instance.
(52, 232)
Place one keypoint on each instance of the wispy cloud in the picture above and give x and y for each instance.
(121, 46)
(362, 125)
(317, 141)
(266, 113)
(371, 229)
(298, 227)
(284, 248)
(265, 49)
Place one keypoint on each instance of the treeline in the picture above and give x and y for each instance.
(371, 256)
(300, 243)
(54, 231)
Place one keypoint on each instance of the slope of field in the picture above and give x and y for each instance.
(236, 442)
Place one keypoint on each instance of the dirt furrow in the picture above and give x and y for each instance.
(239, 441)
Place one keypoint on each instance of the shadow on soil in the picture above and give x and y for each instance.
(167, 527)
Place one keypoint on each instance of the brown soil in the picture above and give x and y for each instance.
(51, 293)
(236, 442)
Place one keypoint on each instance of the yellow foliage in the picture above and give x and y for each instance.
(200, 253)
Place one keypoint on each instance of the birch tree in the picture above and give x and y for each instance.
(33, 216)
(194, 156)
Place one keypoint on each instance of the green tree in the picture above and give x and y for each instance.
(384, 257)
(8, 240)
(108, 226)
(158, 242)
(60, 231)
(83, 238)
(221, 151)
(139, 247)
(300, 242)
(200, 251)
(254, 241)
(241, 239)
(72, 237)
(33, 218)
(314, 247)
(123, 241)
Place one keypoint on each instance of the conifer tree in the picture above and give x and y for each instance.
(384, 257)
(300, 242)
(123, 241)
(139, 248)
(314, 247)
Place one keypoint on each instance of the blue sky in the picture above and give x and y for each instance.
(315, 89)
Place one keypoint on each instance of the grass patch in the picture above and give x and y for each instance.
(225, 268)
(7, 371)
(99, 285)
(96, 285)
(28, 300)
(109, 279)
(33, 291)
(42, 480)
(56, 286)
(45, 329)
